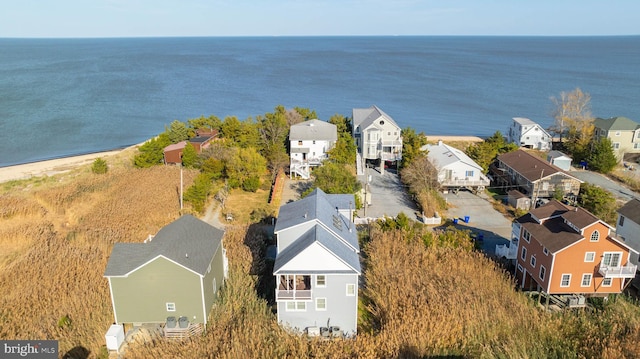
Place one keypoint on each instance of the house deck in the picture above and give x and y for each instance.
(183, 333)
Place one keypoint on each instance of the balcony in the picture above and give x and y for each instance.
(455, 182)
(293, 287)
(627, 271)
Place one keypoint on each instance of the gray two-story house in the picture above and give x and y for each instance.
(317, 265)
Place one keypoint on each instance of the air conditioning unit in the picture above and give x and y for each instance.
(573, 301)
(336, 332)
(324, 331)
(313, 331)
(581, 299)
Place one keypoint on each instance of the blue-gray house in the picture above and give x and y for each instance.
(317, 265)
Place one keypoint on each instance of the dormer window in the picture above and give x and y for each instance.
(595, 236)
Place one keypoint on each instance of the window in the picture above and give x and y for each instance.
(533, 261)
(321, 303)
(351, 290)
(381, 122)
(616, 145)
(607, 282)
(543, 271)
(215, 286)
(565, 281)
(586, 280)
(621, 221)
(611, 259)
(545, 251)
(389, 133)
(526, 235)
(171, 307)
(520, 269)
(468, 173)
(589, 256)
(523, 255)
(595, 236)
(617, 133)
(314, 142)
(636, 145)
(321, 281)
(294, 306)
(299, 143)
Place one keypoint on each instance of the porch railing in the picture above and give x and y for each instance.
(627, 271)
(283, 294)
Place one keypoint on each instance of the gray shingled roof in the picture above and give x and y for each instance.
(313, 130)
(364, 117)
(320, 235)
(319, 206)
(631, 210)
(187, 241)
(619, 123)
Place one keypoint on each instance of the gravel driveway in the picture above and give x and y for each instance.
(599, 180)
(483, 219)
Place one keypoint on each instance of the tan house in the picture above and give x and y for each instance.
(533, 176)
(568, 250)
(623, 132)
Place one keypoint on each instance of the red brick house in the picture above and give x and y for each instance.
(568, 250)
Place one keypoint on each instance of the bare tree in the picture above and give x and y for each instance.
(572, 113)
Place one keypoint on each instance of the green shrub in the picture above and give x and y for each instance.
(99, 166)
(251, 184)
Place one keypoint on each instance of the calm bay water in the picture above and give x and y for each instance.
(61, 97)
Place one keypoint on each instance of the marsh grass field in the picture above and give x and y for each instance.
(418, 299)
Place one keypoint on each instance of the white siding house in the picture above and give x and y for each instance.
(317, 265)
(455, 168)
(309, 143)
(526, 133)
(377, 135)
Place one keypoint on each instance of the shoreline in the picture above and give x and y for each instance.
(65, 164)
(54, 166)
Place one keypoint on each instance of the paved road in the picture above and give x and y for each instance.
(495, 228)
(599, 180)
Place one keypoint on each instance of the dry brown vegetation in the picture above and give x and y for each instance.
(55, 238)
(417, 301)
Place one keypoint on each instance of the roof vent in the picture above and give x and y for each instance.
(186, 255)
(305, 214)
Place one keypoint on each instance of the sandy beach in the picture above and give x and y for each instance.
(65, 164)
(446, 139)
(50, 167)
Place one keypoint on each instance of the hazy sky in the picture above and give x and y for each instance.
(126, 18)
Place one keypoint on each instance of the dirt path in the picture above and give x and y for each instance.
(212, 215)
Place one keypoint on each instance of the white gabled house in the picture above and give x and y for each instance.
(377, 135)
(309, 143)
(317, 265)
(455, 168)
(526, 133)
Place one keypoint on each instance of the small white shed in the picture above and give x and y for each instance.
(115, 337)
(559, 159)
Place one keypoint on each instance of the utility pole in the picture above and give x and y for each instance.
(180, 187)
(537, 194)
